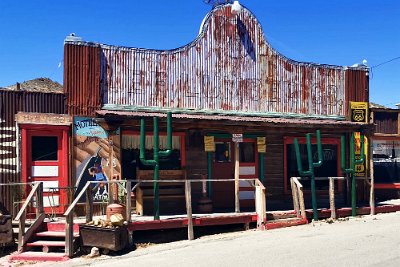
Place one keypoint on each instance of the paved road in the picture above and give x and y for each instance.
(362, 241)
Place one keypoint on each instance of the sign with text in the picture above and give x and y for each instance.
(237, 138)
(359, 112)
(360, 169)
(209, 144)
(261, 145)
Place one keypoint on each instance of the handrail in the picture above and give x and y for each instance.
(28, 199)
(298, 197)
(73, 204)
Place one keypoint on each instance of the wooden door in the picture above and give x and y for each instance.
(45, 154)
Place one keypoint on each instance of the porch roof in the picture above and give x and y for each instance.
(260, 120)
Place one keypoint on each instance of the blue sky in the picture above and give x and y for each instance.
(337, 32)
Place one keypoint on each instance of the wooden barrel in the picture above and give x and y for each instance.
(204, 205)
(115, 208)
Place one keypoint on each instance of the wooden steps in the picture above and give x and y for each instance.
(47, 244)
(39, 256)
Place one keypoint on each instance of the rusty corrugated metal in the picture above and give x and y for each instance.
(386, 122)
(82, 79)
(12, 102)
(357, 86)
(229, 67)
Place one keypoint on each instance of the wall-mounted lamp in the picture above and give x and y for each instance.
(236, 7)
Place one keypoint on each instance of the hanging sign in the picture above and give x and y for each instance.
(209, 144)
(237, 138)
(359, 111)
(261, 146)
(360, 169)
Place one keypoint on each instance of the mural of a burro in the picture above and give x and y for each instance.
(96, 157)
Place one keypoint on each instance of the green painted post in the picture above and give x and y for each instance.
(351, 171)
(209, 173)
(311, 166)
(261, 166)
(156, 156)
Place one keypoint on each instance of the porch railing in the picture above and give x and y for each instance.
(24, 236)
(260, 203)
(298, 195)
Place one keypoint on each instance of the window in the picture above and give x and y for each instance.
(329, 168)
(386, 161)
(44, 148)
(222, 152)
(247, 152)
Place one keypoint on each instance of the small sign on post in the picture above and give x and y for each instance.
(209, 144)
(237, 138)
(359, 111)
(261, 146)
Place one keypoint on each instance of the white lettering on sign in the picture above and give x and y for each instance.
(237, 138)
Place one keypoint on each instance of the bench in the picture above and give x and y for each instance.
(172, 195)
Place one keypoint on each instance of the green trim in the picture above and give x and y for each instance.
(219, 112)
(261, 167)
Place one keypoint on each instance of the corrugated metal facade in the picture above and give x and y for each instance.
(12, 102)
(229, 67)
(82, 79)
(386, 122)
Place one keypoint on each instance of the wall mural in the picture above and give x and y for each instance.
(92, 151)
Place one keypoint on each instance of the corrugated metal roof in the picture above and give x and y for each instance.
(261, 120)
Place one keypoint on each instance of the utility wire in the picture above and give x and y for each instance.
(383, 63)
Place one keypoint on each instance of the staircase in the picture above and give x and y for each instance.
(283, 219)
(46, 244)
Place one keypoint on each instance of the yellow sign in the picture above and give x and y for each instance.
(262, 148)
(359, 112)
(360, 168)
(260, 140)
(209, 144)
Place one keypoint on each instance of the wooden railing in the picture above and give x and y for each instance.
(87, 189)
(298, 197)
(23, 236)
(260, 203)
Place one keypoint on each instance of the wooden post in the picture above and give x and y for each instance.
(128, 200)
(261, 208)
(332, 197)
(188, 195)
(111, 189)
(89, 204)
(21, 231)
(371, 174)
(69, 235)
(295, 197)
(139, 201)
(39, 200)
(237, 169)
(301, 200)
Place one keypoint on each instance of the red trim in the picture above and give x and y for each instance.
(387, 186)
(302, 140)
(29, 130)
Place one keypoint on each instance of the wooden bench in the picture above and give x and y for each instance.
(172, 195)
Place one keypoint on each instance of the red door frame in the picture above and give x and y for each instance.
(287, 140)
(28, 130)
